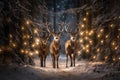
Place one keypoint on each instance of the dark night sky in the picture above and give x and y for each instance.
(62, 4)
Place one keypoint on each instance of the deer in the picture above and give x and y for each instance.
(55, 47)
(71, 46)
(43, 49)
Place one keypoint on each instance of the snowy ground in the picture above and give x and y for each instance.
(83, 71)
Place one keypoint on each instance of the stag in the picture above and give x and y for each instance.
(55, 47)
(71, 45)
(43, 49)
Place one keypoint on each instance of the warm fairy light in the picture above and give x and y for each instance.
(119, 29)
(91, 42)
(81, 40)
(114, 59)
(27, 22)
(82, 33)
(87, 13)
(106, 57)
(102, 41)
(10, 35)
(106, 36)
(26, 51)
(84, 19)
(119, 58)
(22, 28)
(22, 51)
(0, 50)
(33, 45)
(94, 57)
(83, 48)
(116, 47)
(98, 35)
(87, 50)
(37, 40)
(37, 52)
(87, 46)
(98, 50)
(113, 43)
(13, 44)
(82, 25)
(101, 30)
(111, 25)
(28, 36)
(86, 38)
(25, 43)
(35, 31)
(86, 32)
(119, 17)
(31, 54)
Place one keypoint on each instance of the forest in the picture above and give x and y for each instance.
(59, 39)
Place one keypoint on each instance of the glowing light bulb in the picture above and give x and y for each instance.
(87, 46)
(27, 22)
(119, 58)
(31, 54)
(82, 33)
(94, 57)
(82, 25)
(87, 13)
(111, 25)
(84, 19)
(37, 52)
(81, 40)
(101, 30)
(114, 59)
(35, 31)
(106, 57)
(25, 43)
(98, 50)
(22, 51)
(22, 28)
(98, 36)
(102, 41)
(33, 45)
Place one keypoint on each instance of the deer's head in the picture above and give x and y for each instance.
(71, 33)
(56, 35)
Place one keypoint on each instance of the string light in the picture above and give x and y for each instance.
(82, 33)
(35, 31)
(25, 43)
(84, 19)
(94, 57)
(22, 28)
(98, 35)
(33, 45)
(106, 57)
(101, 30)
(102, 41)
(98, 50)
(37, 52)
(22, 51)
(82, 25)
(81, 40)
(114, 59)
(31, 53)
(27, 22)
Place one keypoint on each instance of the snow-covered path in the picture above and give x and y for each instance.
(83, 71)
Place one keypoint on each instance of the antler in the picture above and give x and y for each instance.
(61, 25)
(48, 28)
(67, 28)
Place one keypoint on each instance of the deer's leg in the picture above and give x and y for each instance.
(41, 60)
(45, 61)
(66, 60)
(74, 60)
(57, 62)
(71, 61)
(53, 60)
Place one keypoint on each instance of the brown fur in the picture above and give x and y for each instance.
(71, 49)
(55, 52)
